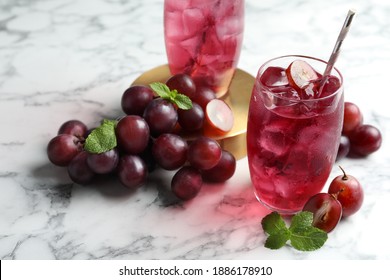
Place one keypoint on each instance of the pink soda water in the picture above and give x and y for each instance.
(293, 134)
(203, 38)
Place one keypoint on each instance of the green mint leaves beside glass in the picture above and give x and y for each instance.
(302, 235)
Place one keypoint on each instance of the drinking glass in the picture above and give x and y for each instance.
(292, 142)
(203, 39)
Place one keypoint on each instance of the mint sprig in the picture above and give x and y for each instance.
(182, 101)
(102, 138)
(302, 235)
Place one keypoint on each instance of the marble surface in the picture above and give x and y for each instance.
(67, 59)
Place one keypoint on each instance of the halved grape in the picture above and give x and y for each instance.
(326, 211)
(219, 116)
(299, 73)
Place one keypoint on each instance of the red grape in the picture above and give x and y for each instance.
(204, 153)
(170, 151)
(79, 170)
(148, 158)
(223, 171)
(103, 163)
(352, 118)
(326, 211)
(183, 84)
(135, 99)
(365, 140)
(192, 119)
(186, 183)
(132, 134)
(344, 147)
(161, 116)
(73, 127)
(132, 171)
(348, 191)
(203, 96)
(63, 148)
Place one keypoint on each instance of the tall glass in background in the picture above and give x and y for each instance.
(203, 38)
(292, 143)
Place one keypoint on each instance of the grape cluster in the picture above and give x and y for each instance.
(148, 136)
(357, 139)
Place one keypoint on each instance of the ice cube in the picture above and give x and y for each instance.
(311, 90)
(231, 47)
(174, 5)
(179, 56)
(228, 27)
(193, 22)
(308, 136)
(174, 25)
(211, 44)
(274, 77)
(200, 3)
(331, 85)
(275, 138)
(297, 163)
(192, 45)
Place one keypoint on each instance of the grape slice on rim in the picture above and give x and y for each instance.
(299, 74)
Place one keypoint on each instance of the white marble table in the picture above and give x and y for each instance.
(73, 59)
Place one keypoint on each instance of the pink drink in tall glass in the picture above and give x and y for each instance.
(203, 38)
(293, 134)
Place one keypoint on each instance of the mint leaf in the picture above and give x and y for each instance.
(102, 138)
(308, 238)
(277, 241)
(161, 89)
(274, 225)
(304, 236)
(182, 101)
(302, 219)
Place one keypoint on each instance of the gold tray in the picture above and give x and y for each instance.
(237, 98)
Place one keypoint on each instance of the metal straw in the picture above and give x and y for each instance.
(336, 50)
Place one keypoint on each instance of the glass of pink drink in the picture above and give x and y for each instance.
(203, 39)
(294, 127)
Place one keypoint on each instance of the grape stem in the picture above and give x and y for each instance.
(345, 177)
